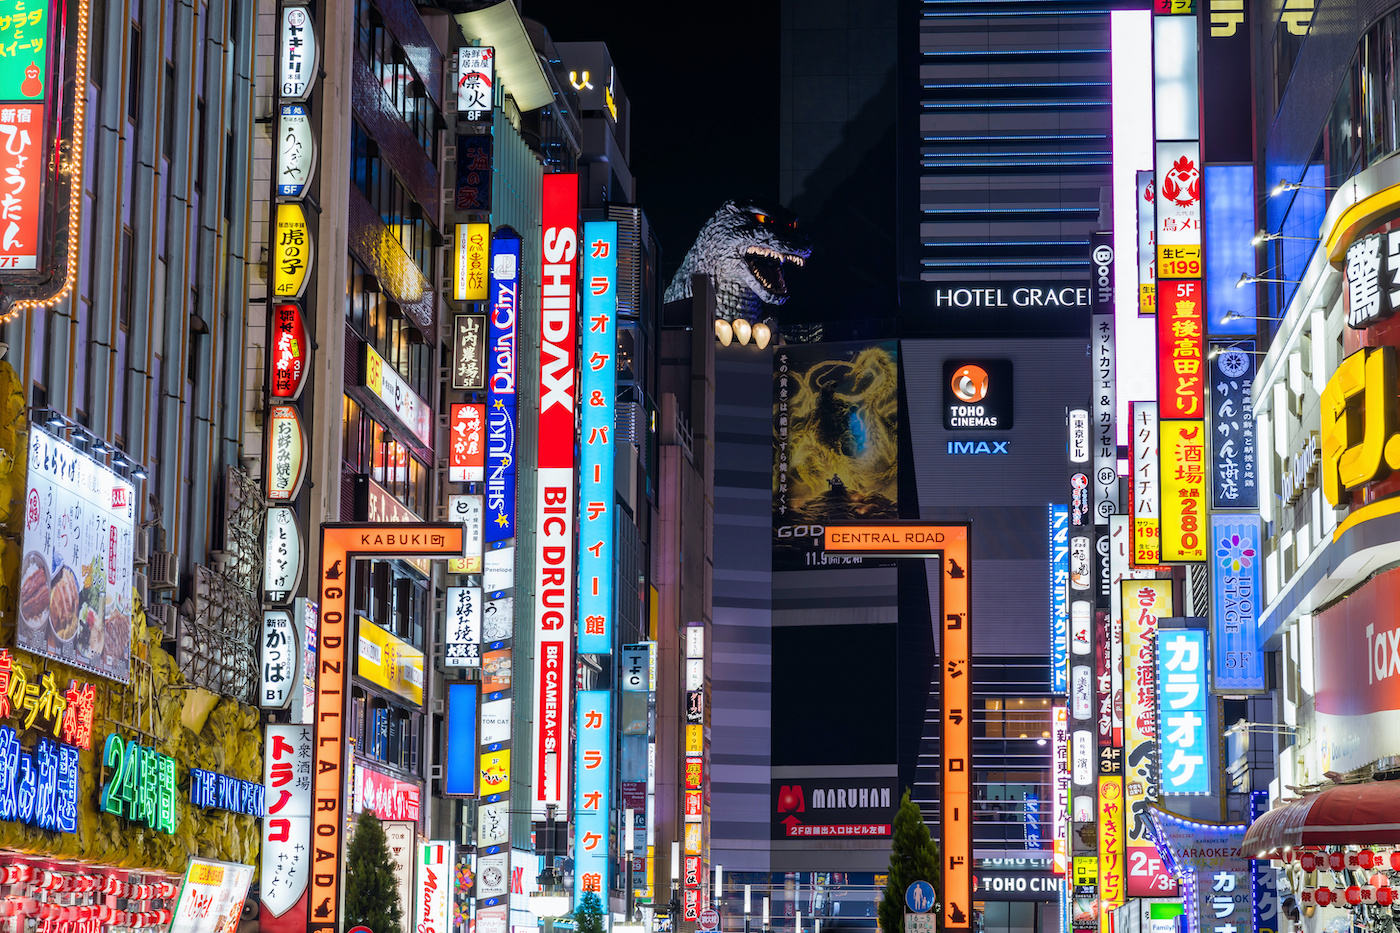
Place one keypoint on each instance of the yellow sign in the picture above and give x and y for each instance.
(495, 772)
(1113, 873)
(1359, 443)
(1086, 871)
(472, 251)
(391, 663)
(1183, 446)
(694, 740)
(692, 838)
(291, 251)
(1147, 299)
(1179, 261)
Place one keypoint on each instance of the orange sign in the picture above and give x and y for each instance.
(339, 545)
(950, 542)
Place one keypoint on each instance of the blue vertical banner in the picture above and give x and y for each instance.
(597, 396)
(459, 770)
(593, 794)
(503, 291)
(1059, 599)
(1235, 601)
(1229, 247)
(1183, 711)
(1234, 475)
(1263, 878)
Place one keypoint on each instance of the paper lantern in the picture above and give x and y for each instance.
(1323, 896)
(1353, 859)
(1385, 896)
(1308, 861)
(1353, 895)
(1368, 894)
(1366, 859)
(1336, 860)
(1305, 896)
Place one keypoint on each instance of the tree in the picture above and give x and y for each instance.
(371, 888)
(588, 916)
(913, 857)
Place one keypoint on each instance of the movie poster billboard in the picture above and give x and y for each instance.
(835, 430)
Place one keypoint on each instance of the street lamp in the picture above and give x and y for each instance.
(629, 838)
(674, 907)
(765, 913)
(1247, 279)
(551, 900)
(748, 900)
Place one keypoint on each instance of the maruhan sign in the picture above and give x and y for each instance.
(1012, 295)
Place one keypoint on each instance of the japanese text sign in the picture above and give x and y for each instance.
(593, 794)
(1183, 489)
(1234, 481)
(466, 443)
(1178, 198)
(1144, 495)
(291, 351)
(286, 840)
(1181, 369)
(1059, 598)
(476, 80)
(471, 252)
(1112, 866)
(292, 252)
(297, 46)
(501, 392)
(462, 627)
(469, 352)
(1183, 698)
(281, 659)
(597, 389)
(1235, 559)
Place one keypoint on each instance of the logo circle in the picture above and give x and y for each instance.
(1103, 254)
(1234, 363)
(918, 897)
(970, 383)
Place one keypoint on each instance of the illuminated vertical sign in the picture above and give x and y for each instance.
(1147, 244)
(435, 883)
(1059, 599)
(1184, 534)
(1144, 602)
(476, 81)
(1183, 698)
(957, 730)
(1235, 556)
(466, 443)
(1181, 363)
(286, 826)
(1144, 495)
(469, 350)
(593, 795)
(470, 254)
(1234, 473)
(1178, 200)
(554, 504)
(501, 402)
(1105, 437)
(459, 770)
(1112, 853)
(1059, 738)
(597, 392)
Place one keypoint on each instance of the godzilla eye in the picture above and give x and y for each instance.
(761, 218)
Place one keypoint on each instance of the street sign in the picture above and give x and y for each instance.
(709, 919)
(920, 923)
(918, 897)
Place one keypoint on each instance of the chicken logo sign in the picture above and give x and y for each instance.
(1182, 183)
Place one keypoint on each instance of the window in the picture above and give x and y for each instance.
(133, 77)
(399, 212)
(401, 86)
(124, 282)
(1018, 717)
(167, 146)
(378, 321)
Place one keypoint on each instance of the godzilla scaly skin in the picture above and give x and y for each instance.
(743, 248)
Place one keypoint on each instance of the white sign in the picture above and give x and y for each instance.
(498, 622)
(282, 555)
(75, 576)
(296, 151)
(1079, 440)
(297, 45)
(1081, 693)
(384, 381)
(286, 827)
(1146, 492)
(435, 887)
(462, 627)
(401, 838)
(498, 570)
(476, 81)
(211, 899)
(1178, 177)
(495, 722)
(1082, 759)
(281, 661)
(1079, 566)
(921, 923)
(491, 876)
(286, 453)
(467, 510)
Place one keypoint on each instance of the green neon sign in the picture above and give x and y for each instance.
(142, 787)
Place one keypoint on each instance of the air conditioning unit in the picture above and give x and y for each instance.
(438, 706)
(138, 583)
(164, 572)
(167, 616)
(141, 547)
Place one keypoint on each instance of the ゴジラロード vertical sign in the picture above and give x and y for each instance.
(597, 390)
(554, 502)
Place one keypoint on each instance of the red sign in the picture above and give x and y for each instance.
(290, 351)
(692, 895)
(1148, 876)
(1181, 368)
(694, 773)
(1358, 673)
(466, 461)
(554, 502)
(388, 798)
(693, 803)
(692, 871)
(21, 180)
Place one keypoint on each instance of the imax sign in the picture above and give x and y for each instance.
(979, 447)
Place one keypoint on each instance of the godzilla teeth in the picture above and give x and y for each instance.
(774, 254)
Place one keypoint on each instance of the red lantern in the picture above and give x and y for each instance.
(1323, 896)
(1336, 860)
(1366, 859)
(1308, 861)
(1353, 895)
(1287, 856)
(1385, 896)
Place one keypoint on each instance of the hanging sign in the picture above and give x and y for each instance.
(1183, 701)
(468, 510)
(282, 555)
(1236, 557)
(1181, 370)
(291, 351)
(297, 53)
(1144, 491)
(281, 659)
(469, 352)
(476, 81)
(501, 408)
(462, 627)
(286, 453)
(1233, 472)
(1184, 535)
(296, 151)
(1178, 191)
(286, 855)
(472, 243)
(291, 252)
(597, 391)
(466, 457)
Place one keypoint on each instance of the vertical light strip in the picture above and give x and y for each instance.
(1131, 38)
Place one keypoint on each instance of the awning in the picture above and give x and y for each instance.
(1348, 814)
(517, 62)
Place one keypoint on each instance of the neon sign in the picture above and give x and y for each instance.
(142, 788)
(212, 790)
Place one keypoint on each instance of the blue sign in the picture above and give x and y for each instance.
(212, 790)
(593, 794)
(979, 447)
(1262, 877)
(1059, 599)
(1234, 477)
(1031, 816)
(1235, 601)
(597, 394)
(918, 897)
(1183, 704)
(459, 770)
(503, 289)
(1229, 232)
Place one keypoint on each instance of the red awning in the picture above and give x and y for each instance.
(1348, 814)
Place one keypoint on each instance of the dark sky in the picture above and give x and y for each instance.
(703, 81)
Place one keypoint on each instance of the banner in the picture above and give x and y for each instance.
(1183, 702)
(1183, 490)
(1234, 482)
(593, 795)
(597, 392)
(1144, 602)
(1112, 866)
(1059, 599)
(501, 389)
(1144, 492)
(1236, 596)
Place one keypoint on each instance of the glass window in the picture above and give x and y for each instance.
(1018, 718)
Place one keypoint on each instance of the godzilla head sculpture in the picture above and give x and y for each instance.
(743, 249)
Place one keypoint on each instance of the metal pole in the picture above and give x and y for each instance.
(765, 913)
(629, 837)
(748, 900)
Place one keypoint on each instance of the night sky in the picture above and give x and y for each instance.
(703, 81)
